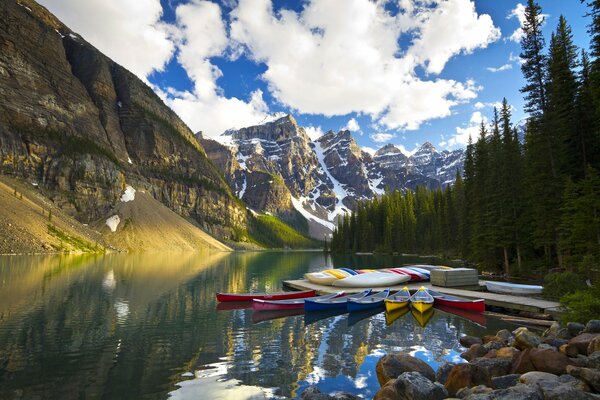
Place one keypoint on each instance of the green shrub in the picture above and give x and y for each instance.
(582, 305)
(558, 284)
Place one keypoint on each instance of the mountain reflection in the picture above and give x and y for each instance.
(129, 326)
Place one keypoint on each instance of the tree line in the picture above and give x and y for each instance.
(520, 202)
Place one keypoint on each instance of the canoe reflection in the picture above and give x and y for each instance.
(422, 317)
(391, 317)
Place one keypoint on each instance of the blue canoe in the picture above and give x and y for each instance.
(368, 302)
(316, 304)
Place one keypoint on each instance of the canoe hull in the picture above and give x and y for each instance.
(421, 306)
(335, 304)
(513, 288)
(393, 305)
(238, 297)
(368, 302)
(371, 279)
(474, 305)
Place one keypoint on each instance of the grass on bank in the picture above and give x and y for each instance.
(271, 232)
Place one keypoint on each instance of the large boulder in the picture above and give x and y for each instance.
(507, 352)
(581, 342)
(594, 345)
(524, 339)
(481, 389)
(551, 361)
(460, 377)
(590, 376)
(392, 366)
(521, 362)
(484, 369)
(475, 351)
(533, 377)
(468, 341)
(505, 381)
(575, 328)
(411, 386)
(593, 326)
(313, 393)
(518, 392)
(441, 375)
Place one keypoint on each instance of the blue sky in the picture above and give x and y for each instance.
(402, 71)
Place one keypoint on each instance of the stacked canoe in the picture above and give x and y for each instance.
(346, 277)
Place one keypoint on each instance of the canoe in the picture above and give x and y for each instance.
(397, 300)
(423, 273)
(421, 300)
(393, 316)
(513, 288)
(428, 267)
(412, 274)
(368, 302)
(328, 276)
(457, 302)
(371, 279)
(237, 297)
(259, 304)
(320, 278)
(422, 317)
(339, 302)
(234, 305)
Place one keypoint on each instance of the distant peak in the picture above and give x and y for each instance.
(388, 149)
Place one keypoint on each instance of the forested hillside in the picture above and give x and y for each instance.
(518, 205)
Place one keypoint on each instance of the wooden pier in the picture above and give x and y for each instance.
(509, 302)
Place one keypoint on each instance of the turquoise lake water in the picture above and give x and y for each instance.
(148, 326)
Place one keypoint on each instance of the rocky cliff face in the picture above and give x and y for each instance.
(323, 178)
(81, 127)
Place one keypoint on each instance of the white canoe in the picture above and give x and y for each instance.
(320, 278)
(512, 288)
(372, 279)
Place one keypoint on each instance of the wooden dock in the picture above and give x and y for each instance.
(510, 302)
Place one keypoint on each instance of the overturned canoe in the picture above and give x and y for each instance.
(513, 288)
(372, 279)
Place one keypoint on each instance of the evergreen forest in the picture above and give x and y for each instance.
(522, 203)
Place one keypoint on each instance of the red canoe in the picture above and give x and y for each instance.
(458, 302)
(226, 297)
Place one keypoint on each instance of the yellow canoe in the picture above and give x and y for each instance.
(398, 300)
(421, 300)
(421, 306)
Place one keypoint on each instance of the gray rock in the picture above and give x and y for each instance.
(505, 381)
(313, 393)
(533, 377)
(594, 360)
(484, 369)
(566, 392)
(505, 335)
(593, 326)
(575, 328)
(441, 375)
(414, 386)
(481, 389)
(588, 375)
(563, 333)
(553, 330)
(546, 346)
(524, 339)
(554, 342)
(468, 341)
(518, 392)
(493, 345)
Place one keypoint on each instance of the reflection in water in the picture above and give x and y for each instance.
(147, 326)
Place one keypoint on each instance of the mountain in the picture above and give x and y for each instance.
(275, 167)
(81, 130)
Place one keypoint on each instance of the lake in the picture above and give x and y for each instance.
(128, 326)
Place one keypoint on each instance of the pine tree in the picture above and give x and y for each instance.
(534, 60)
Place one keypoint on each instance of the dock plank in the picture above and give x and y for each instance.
(519, 303)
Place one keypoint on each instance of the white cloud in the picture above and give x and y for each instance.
(501, 68)
(519, 13)
(369, 150)
(352, 125)
(461, 138)
(318, 64)
(382, 137)
(314, 132)
(128, 31)
(202, 36)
